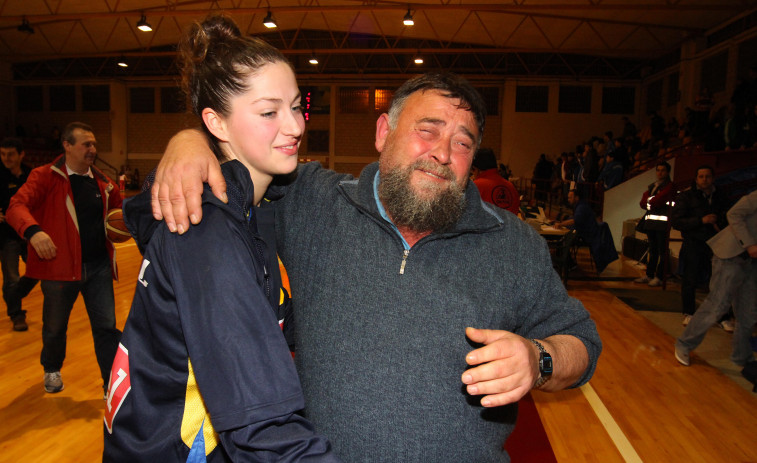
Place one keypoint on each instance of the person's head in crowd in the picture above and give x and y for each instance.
(608, 135)
(80, 146)
(483, 160)
(574, 196)
(246, 94)
(704, 178)
(12, 153)
(426, 142)
(662, 171)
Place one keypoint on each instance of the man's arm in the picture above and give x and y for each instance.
(177, 191)
(738, 217)
(508, 365)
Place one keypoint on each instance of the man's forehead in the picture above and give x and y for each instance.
(432, 106)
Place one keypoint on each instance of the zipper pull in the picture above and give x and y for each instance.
(404, 261)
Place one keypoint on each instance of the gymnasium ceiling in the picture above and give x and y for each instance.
(611, 39)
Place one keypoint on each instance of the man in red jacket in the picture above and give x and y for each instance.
(60, 211)
(494, 188)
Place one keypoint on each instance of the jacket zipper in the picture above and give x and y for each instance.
(404, 261)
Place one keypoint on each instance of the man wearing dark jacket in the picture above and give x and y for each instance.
(13, 174)
(699, 213)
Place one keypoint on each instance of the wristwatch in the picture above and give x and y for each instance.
(545, 364)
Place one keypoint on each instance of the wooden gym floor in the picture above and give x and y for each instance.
(641, 405)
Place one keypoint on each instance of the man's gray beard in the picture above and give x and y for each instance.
(408, 209)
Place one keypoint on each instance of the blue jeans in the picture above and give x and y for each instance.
(15, 287)
(96, 287)
(733, 281)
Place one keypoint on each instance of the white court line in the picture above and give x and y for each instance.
(618, 438)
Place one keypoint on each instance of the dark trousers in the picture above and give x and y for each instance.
(15, 287)
(695, 259)
(658, 248)
(96, 287)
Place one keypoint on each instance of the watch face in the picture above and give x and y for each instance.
(545, 366)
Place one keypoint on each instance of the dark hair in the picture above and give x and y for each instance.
(665, 164)
(10, 142)
(215, 61)
(705, 166)
(451, 86)
(68, 132)
(485, 159)
(609, 134)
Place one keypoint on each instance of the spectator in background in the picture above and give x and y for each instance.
(629, 129)
(699, 213)
(596, 235)
(656, 201)
(734, 281)
(60, 210)
(542, 177)
(657, 132)
(13, 174)
(493, 188)
(612, 173)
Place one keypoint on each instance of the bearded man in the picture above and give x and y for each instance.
(388, 273)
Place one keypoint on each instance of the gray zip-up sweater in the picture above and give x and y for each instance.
(381, 351)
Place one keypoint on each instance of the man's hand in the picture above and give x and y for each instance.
(752, 250)
(508, 366)
(43, 245)
(177, 191)
(710, 218)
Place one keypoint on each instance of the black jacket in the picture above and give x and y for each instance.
(691, 205)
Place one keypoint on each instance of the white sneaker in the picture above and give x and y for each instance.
(644, 279)
(655, 282)
(686, 320)
(727, 326)
(53, 382)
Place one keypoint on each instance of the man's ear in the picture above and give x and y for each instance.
(382, 130)
(215, 124)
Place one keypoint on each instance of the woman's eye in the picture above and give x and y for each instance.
(269, 114)
(297, 108)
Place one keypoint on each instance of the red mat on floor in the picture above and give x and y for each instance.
(529, 442)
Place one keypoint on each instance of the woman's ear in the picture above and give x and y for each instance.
(215, 123)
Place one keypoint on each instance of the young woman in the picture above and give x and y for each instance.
(203, 372)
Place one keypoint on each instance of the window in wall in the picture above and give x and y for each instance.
(747, 57)
(354, 100)
(531, 99)
(618, 100)
(654, 96)
(673, 94)
(383, 97)
(574, 99)
(172, 100)
(490, 95)
(142, 99)
(318, 141)
(713, 72)
(95, 98)
(62, 98)
(29, 98)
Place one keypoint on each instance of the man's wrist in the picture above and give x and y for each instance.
(545, 364)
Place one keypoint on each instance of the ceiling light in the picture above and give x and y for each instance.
(418, 60)
(313, 60)
(143, 25)
(268, 21)
(408, 19)
(122, 62)
(25, 27)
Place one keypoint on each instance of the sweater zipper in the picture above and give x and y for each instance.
(404, 261)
